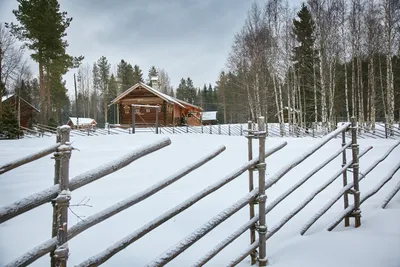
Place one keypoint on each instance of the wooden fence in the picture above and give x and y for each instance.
(59, 196)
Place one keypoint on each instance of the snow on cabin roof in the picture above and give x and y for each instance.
(4, 98)
(82, 121)
(209, 115)
(186, 103)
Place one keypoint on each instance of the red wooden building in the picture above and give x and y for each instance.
(24, 111)
(172, 111)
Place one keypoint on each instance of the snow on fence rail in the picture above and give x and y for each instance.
(35, 156)
(60, 193)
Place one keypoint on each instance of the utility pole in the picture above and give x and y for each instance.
(76, 104)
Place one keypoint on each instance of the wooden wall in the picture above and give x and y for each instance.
(145, 116)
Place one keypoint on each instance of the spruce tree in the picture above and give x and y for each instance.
(152, 72)
(112, 93)
(304, 59)
(125, 75)
(42, 29)
(9, 127)
(137, 74)
(181, 91)
(104, 77)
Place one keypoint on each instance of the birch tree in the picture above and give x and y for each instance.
(391, 20)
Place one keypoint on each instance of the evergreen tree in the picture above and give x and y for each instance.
(137, 74)
(304, 57)
(181, 92)
(45, 38)
(9, 127)
(94, 98)
(152, 72)
(190, 91)
(112, 93)
(104, 77)
(125, 75)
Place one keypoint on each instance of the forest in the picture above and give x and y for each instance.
(322, 62)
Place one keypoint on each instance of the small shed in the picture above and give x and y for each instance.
(209, 117)
(81, 123)
(24, 110)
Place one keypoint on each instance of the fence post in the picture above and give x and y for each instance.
(345, 195)
(202, 130)
(249, 136)
(187, 128)
(261, 166)
(356, 192)
(108, 127)
(219, 129)
(133, 118)
(229, 129)
(210, 128)
(157, 120)
(56, 157)
(63, 198)
(241, 129)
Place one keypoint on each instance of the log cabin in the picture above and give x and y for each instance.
(172, 111)
(25, 112)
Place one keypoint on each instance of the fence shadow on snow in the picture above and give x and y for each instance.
(59, 196)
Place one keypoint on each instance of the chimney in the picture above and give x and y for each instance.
(154, 82)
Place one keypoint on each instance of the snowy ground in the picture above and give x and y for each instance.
(375, 243)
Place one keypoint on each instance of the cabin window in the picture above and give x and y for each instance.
(147, 110)
(126, 109)
(137, 110)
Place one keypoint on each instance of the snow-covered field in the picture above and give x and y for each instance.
(375, 243)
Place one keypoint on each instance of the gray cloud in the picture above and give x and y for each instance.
(188, 38)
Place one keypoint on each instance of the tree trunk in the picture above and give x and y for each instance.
(42, 91)
(360, 92)
(315, 94)
(390, 93)
(382, 89)
(371, 79)
(293, 91)
(353, 88)
(257, 95)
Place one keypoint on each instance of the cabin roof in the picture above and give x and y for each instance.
(151, 90)
(163, 96)
(6, 97)
(82, 121)
(188, 104)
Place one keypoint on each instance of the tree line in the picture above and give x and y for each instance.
(324, 62)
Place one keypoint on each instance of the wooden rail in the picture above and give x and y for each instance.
(35, 156)
(60, 195)
(35, 200)
(126, 241)
(347, 187)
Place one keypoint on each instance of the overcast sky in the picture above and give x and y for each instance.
(188, 38)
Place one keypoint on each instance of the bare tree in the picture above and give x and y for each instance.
(10, 60)
(391, 20)
(164, 82)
